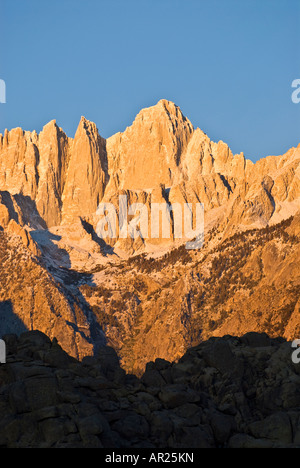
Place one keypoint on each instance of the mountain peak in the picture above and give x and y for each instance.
(49, 128)
(161, 109)
(168, 105)
(86, 127)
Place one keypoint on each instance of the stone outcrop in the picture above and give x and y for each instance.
(86, 175)
(18, 162)
(149, 152)
(21, 209)
(34, 166)
(15, 229)
(225, 393)
(54, 149)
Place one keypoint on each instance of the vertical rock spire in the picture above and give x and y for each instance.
(87, 173)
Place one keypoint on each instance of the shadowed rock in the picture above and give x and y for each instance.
(48, 399)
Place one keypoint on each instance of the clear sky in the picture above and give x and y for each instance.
(228, 64)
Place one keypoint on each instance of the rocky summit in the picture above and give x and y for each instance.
(227, 392)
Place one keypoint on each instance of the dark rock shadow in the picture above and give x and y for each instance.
(54, 254)
(6, 199)
(105, 249)
(31, 216)
(10, 323)
(28, 213)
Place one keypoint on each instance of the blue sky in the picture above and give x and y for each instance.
(228, 64)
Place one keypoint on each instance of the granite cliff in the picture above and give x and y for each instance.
(160, 152)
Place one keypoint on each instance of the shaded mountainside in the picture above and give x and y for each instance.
(30, 298)
(160, 307)
(226, 392)
(148, 308)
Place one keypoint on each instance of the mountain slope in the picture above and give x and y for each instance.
(158, 307)
(31, 298)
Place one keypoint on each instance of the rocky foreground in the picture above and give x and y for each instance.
(226, 392)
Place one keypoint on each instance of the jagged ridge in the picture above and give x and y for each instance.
(67, 178)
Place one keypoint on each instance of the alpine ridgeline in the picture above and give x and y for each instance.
(147, 297)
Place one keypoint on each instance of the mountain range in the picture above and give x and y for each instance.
(148, 298)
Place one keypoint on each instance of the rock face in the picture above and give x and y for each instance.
(34, 166)
(67, 178)
(64, 178)
(87, 173)
(15, 229)
(225, 393)
(149, 152)
(19, 160)
(54, 153)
